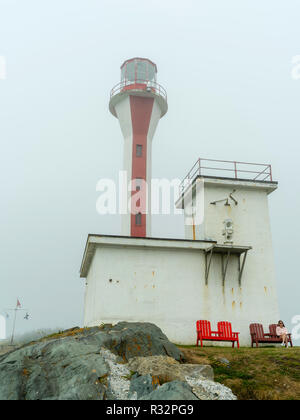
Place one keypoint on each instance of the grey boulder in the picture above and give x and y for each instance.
(175, 390)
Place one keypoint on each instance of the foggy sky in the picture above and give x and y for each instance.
(227, 69)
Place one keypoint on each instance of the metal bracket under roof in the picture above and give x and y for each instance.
(226, 251)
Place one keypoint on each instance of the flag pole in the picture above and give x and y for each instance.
(16, 309)
(13, 331)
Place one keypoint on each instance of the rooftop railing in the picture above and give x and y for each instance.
(227, 169)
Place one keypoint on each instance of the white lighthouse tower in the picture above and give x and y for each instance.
(138, 102)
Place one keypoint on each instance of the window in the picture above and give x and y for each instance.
(139, 150)
(151, 72)
(141, 71)
(123, 72)
(130, 71)
(138, 184)
(138, 219)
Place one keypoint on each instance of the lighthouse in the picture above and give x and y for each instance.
(138, 102)
(223, 270)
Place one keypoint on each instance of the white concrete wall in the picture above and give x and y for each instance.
(166, 286)
(123, 112)
(155, 117)
(257, 295)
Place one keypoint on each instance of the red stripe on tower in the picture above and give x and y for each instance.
(141, 111)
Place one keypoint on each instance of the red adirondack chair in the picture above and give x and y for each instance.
(258, 335)
(274, 336)
(204, 332)
(225, 331)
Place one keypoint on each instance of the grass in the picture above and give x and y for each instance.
(265, 373)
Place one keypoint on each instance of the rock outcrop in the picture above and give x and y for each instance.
(6, 348)
(167, 369)
(125, 361)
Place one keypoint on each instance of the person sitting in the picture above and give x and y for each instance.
(282, 332)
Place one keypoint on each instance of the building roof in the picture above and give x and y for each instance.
(94, 240)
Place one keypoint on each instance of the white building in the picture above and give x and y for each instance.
(222, 271)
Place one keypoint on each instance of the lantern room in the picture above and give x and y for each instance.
(138, 70)
(138, 78)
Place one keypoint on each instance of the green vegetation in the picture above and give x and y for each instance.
(265, 373)
(129, 376)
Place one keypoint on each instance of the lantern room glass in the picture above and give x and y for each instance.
(138, 71)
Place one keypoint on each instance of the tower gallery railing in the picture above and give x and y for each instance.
(140, 85)
(227, 169)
